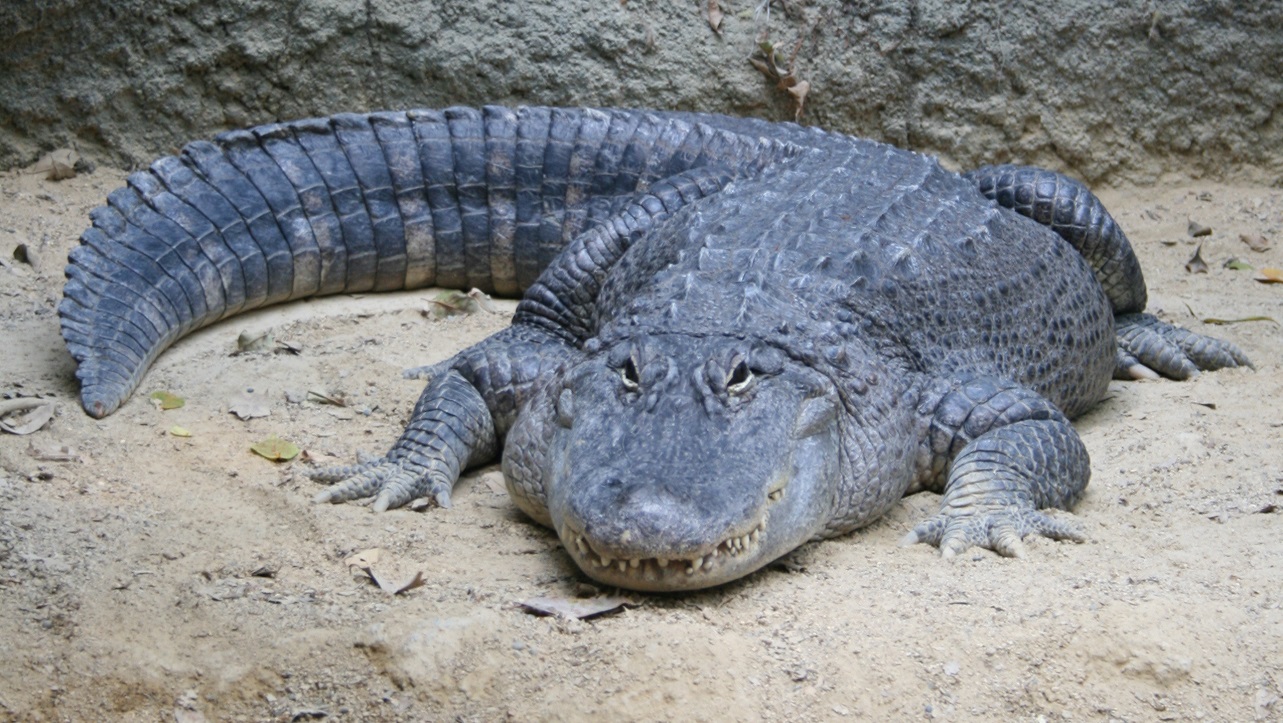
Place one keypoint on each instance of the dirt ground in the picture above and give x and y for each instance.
(158, 577)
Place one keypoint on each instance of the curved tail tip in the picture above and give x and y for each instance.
(98, 405)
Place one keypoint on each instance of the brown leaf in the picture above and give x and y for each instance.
(1269, 275)
(799, 90)
(1196, 264)
(715, 16)
(365, 559)
(336, 399)
(1256, 242)
(25, 415)
(57, 165)
(368, 563)
(581, 608)
(1224, 322)
(1197, 229)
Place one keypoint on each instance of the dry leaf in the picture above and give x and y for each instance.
(275, 449)
(1256, 242)
(178, 431)
(798, 91)
(337, 400)
(398, 588)
(1196, 264)
(581, 608)
(248, 341)
(53, 452)
(165, 400)
(366, 561)
(57, 165)
(715, 16)
(451, 303)
(1237, 264)
(365, 558)
(248, 406)
(1197, 229)
(25, 415)
(1223, 322)
(1269, 275)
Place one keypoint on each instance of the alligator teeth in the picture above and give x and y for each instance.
(777, 495)
(731, 546)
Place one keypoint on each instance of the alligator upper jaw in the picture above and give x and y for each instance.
(733, 557)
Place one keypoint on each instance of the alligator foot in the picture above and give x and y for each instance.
(1148, 347)
(1000, 529)
(1005, 476)
(392, 483)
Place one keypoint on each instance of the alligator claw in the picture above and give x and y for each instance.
(1001, 529)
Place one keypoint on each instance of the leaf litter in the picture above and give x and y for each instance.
(25, 415)
(377, 566)
(275, 449)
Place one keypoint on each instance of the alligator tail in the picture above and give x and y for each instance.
(460, 197)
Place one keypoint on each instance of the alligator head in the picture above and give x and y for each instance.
(680, 462)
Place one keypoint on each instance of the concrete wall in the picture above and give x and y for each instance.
(1110, 91)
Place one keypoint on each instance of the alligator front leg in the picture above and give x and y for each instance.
(1004, 454)
(451, 429)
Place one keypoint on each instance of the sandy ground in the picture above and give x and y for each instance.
(163, 578)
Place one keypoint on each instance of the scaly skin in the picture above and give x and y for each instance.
(735, 336)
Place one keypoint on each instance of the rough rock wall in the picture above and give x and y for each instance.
(1111, 91)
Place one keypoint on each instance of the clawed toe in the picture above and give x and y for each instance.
(1002, 530)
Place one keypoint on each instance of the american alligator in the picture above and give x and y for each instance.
(734, 336)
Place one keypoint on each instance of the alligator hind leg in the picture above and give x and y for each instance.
(1069, 208)
(1147, 347)
(1000, 454)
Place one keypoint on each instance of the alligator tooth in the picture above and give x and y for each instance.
(753, 537)
(634, 563)
(623, 565)
(714, 553)
(662, 562)
(606, 561)
(581, 545)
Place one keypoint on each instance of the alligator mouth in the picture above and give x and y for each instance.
(735, 548)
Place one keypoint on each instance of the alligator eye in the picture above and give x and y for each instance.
(740, 379)
(628, 375)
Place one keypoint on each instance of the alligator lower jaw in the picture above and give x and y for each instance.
(731, 558)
